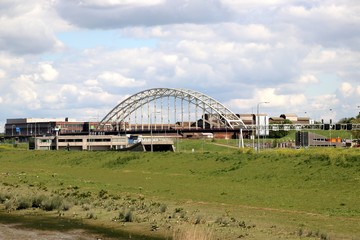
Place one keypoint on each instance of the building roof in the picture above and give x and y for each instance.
(37, 120)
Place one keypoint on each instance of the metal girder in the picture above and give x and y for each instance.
(132, 103)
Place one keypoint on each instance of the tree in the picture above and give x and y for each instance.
(345, 120)
(356, 133)
(280, 133)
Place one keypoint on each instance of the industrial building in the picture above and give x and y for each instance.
(79, 142)
(309, 139)
(43, 126)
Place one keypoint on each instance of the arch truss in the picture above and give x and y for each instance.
(150, 103)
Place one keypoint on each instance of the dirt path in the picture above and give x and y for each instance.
(13, 232)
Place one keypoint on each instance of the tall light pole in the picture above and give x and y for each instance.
(330, 126)
(151, 132)
(12, 130)
(258, 126)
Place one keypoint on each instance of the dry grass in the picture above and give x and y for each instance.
(192, 233)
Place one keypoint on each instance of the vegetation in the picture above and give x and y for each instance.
(209, 193)
(280, 133)
(356, 133)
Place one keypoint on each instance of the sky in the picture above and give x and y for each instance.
(80, 58)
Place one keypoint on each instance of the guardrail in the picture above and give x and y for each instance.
(299, 127)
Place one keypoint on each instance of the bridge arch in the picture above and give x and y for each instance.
(201, 101)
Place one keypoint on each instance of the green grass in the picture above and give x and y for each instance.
(312, 190)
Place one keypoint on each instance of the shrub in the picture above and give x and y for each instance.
(4, 197)
(91, 215)
(163, 208)
(122, 160)
(198, 219)
(10, 205)
(52, 203)
(103, 194)
(222, 221)
(23, 203)
(86, 207)
(126, 216)
(66, 205)
(37, 201)
(177, 210)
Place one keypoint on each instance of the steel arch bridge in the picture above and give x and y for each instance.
(171, 103)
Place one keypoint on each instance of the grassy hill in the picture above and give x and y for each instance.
(218, 191)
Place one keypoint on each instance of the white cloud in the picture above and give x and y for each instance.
(128, 3)
(10, 61)
(91, 83)
(245, 5)
(324, 102)
(308, 79)
(68, 90)
(358, 90)
(118, 80)
(281, 102)
(48, 73)
(346, 89)
(269, 95)
(2, 73)
(25, 93)
(28, 27)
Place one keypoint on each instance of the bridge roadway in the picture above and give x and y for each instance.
(246, 131)
(250, 128)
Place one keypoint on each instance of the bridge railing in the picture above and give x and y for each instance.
(299, 127)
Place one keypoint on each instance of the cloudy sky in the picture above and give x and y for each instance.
(79, 58)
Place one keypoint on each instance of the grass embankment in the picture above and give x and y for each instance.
(214, 191)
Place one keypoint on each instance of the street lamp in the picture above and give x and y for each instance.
(258, 126)
(151, 132)
(12, 130)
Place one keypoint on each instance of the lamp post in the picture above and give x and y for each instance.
(90, 133)
(330, 126)
(258, 126)
(151, 132)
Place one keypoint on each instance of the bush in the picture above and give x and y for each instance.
(4, 197)
(103, 194)
(53, 203)
(37, 201)
(120, 161)
(66, 205)
(10, 205)
(91, 215)
(24, 203)
(126, 216)
(163, 208)
(86, 207)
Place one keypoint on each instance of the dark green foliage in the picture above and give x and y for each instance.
(352, 158)
(223, 158)
(280, 133)
(121, 161)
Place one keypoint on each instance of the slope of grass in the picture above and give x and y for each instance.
(298, 191)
